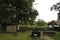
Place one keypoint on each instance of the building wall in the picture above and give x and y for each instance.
(50, 26)
(11, 28)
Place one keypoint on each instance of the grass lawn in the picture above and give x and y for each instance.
(19, 36)
(25, 36)
(57, 36)
(6, 36)
(22, 36)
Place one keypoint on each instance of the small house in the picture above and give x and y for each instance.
(58, 22)
(53, 24)
(11, 28)
(5, 27)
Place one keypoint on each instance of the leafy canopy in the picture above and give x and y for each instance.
(11, 10)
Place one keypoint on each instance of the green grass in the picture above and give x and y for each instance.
(57, 36)
(5, 36)
(19, 36)
(25, 36)
(22, 36)
(35, 26)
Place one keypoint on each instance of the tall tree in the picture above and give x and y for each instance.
(56, 7)
(41, 22)
(10, 10)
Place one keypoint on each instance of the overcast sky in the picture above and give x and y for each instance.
(43, 8)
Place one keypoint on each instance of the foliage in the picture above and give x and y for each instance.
(53, 22)
(12, 11)
(56, 7)
(41, 22)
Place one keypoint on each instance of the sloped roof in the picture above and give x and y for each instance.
(58, 22)
(52, 23)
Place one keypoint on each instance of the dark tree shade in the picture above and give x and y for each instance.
(22, 9)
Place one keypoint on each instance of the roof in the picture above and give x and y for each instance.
(52, 23)
(58, 22)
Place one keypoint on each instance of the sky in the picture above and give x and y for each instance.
(43, 8)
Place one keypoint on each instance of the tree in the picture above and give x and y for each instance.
(11, 10)
(53, 22)
(41, 22)
(56, 7)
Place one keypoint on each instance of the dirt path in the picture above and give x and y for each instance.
(47, 38)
